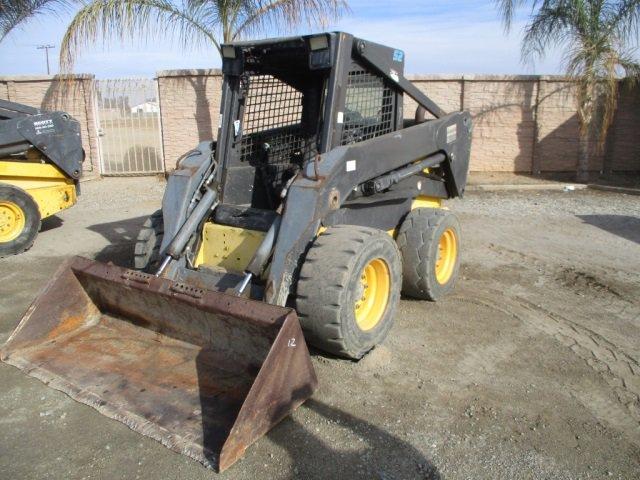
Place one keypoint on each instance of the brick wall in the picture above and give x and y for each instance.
(73, 95)
(503, 111)
(623, 146)
(189, 109)
(524, 124)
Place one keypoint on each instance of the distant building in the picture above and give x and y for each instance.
(146, 107)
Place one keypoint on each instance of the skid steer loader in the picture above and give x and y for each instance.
(316, 206)
(41, 159)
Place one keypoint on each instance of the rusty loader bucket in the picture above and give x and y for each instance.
(203, 372)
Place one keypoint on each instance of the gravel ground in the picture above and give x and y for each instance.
(530, 369)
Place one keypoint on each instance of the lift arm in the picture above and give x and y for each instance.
(55, 134)
(379, 61)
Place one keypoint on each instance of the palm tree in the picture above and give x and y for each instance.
(193, 22)
(508, 8)
(14, 13)
(598, 39)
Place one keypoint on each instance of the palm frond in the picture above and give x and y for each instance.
(547, 29)
(623, 18)
(191, 21)
(134, 19)
(631, 69)
(282, 15)
(14, 13)
(213, 13)
(507, 9)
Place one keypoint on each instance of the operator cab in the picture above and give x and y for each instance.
(277, 96)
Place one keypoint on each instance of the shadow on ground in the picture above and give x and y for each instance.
(122, 236)
(356, 449)
(624, 226)
(50, 223)
(380, 455)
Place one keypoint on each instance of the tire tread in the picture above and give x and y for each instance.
(416, 238)
(322, 288)
(147, 247)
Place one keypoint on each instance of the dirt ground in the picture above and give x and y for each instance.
(530, 369)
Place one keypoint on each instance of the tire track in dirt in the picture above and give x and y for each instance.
(579, 282)
(604, 295)
(620, 371)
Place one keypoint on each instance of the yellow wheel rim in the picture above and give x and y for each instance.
(447, 255)
(375, 283)
(12, 221)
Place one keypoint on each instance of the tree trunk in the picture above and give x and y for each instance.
(585, 117)
(582, 174)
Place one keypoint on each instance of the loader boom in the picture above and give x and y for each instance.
(55, 134)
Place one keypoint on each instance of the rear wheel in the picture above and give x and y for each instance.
(429, 240)
(348, 290)
(19, 220)
(147, 250)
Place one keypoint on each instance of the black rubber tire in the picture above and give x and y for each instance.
(328, 285)
(418, 240)
(29, 207)
(147, 250)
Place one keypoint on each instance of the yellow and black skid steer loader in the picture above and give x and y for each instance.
(316, 206)
(41, 159)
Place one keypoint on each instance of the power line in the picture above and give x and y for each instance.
(46, 52)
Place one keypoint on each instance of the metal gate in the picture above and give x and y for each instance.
(129, 131)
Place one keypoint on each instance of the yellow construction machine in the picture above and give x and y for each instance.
(41, 159)
(316, 206)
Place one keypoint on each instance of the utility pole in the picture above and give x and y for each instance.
(46, 52)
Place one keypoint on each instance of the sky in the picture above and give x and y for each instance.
(438, 37)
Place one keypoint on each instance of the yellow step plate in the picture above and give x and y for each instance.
(226, 247)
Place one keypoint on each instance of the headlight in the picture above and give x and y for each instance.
(319, 43)
(228, 51)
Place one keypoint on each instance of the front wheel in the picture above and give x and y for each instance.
(147, 250)
(348, 290)
(19, 220)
